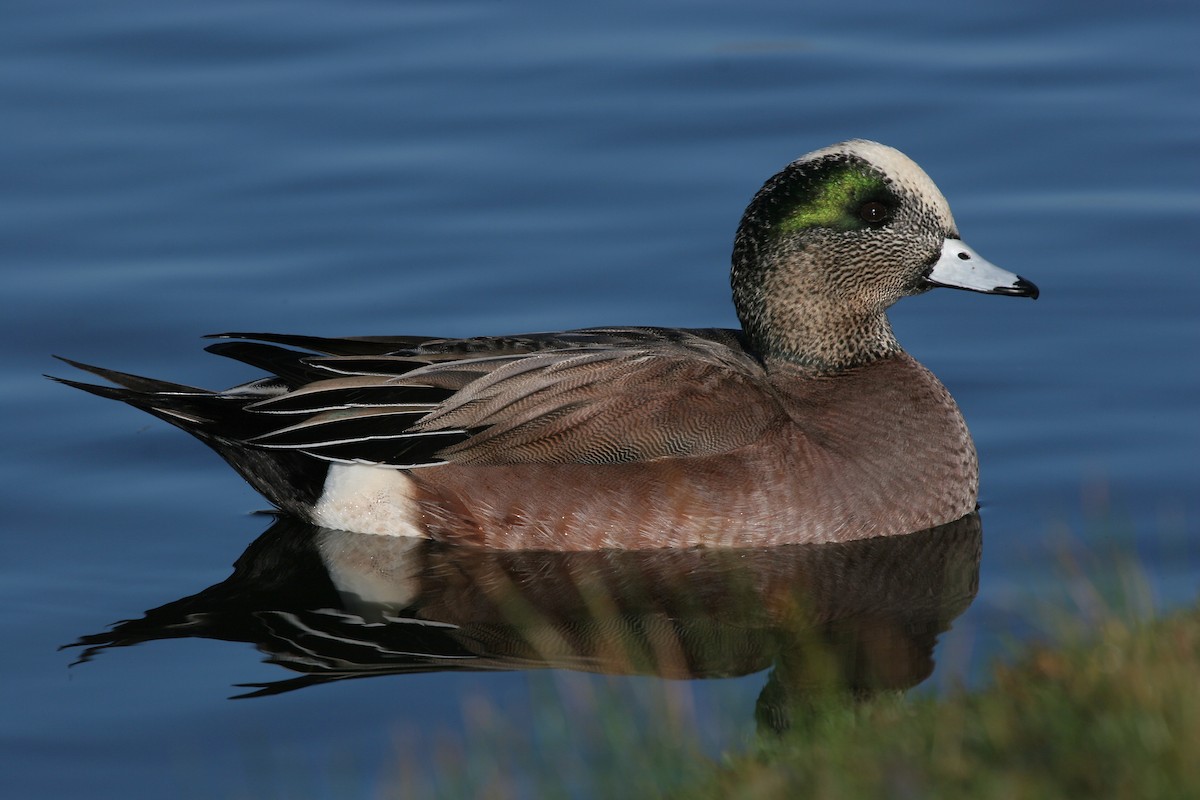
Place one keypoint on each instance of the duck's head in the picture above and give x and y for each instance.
(833, 240)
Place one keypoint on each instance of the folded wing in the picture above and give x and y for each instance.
(599, 396)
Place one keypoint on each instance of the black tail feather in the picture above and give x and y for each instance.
(129, 381)
(289, 479)
(288, 365)
(348, 346)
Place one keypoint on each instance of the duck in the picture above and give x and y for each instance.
(808, 424)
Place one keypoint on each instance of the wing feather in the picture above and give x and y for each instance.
(611, 406)
(597, 396)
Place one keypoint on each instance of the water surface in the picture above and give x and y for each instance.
(467, 168)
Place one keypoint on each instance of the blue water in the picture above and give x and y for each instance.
(177, 169)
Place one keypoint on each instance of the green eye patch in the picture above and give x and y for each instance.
(832, 200)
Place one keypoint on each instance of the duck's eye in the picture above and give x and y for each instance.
(874, 211)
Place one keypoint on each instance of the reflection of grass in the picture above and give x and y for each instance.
(582, 742)
(1110, 712)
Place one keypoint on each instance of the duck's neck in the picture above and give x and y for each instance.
(818, 338)
(812, 315)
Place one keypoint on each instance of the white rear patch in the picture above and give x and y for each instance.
(367, 499)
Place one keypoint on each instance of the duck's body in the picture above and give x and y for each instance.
(809, 425)
(802, 478)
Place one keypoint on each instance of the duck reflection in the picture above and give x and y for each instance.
(859, 617)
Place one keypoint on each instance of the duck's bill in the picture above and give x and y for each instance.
(960, 267)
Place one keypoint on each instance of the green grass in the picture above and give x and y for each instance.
(1110, 711)
(1112, 714)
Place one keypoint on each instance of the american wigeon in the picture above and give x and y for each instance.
(810, 424)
